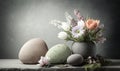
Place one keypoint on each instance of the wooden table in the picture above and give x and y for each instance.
(16, 65)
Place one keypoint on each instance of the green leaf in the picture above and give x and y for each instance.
(92, 66)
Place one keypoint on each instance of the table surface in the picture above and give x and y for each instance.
(6, 64)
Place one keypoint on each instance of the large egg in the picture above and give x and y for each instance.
(32, 50)
(75, 59)
(58, 53)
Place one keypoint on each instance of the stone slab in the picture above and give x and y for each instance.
(16, 65)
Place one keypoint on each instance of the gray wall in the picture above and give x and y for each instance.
(21, 20)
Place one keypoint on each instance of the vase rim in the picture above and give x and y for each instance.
(84, 42)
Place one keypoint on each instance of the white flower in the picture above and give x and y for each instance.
(77, 31)
(81, 23)
(68, 17)
(62, 35)
(65, 26)
(44, 61)
(56, 23)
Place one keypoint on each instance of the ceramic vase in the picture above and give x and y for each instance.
(84, 48)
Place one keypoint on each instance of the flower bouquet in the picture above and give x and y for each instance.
(80, 30)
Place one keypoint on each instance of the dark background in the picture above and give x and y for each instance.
(21, 20)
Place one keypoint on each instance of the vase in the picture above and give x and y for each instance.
(84, 48)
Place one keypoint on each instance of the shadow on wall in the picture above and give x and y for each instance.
(21, 20)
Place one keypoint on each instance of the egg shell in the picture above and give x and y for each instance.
(58, 53)
(32, 50)
(75, 59)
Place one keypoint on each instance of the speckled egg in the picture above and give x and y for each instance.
(32, 50)
(75, 59)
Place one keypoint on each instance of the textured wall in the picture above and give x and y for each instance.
(21, 20)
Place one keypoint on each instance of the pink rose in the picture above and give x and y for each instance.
(92, 24)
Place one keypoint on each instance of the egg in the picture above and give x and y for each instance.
(58, 53)
(75, 59)
(32, 50)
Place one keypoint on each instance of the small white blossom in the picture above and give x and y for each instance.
(81, 23)
(62, 35)
(43, 61)
(56, 23)
(68, 17)
(65, 26)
